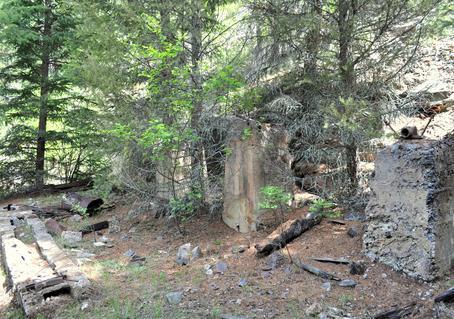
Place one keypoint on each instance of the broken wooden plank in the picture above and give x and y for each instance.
(58, 260)
(446, 296)
(331, 260)
(284, 234)
(396, 312)
(316, 271)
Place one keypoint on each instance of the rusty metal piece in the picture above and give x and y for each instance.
(409, 133)
(72, 201)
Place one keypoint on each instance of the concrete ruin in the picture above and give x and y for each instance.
(411, 211)
(257, 156)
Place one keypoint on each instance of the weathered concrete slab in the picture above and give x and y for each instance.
(411, 212)
(58, 260)
(26, 270)
(258, 157)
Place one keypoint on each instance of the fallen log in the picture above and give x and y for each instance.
(75, 202)
(80, 185)
(446, 296)
(95, 227)
(397, 313)
(331, 260)
(316, 271)
(284, 234)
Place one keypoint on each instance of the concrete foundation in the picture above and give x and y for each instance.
(257, 156)
(410, 214)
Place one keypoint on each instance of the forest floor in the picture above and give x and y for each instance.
(245, 289)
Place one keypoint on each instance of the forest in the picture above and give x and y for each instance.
(279, 149)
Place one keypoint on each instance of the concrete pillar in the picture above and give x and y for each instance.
(256, 156)
(410, 214)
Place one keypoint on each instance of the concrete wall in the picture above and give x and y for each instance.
(257, 156)
(410, 214)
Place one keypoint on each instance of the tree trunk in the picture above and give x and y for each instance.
(44, 95)
(345, 25)
(313, 39)
(196, 46)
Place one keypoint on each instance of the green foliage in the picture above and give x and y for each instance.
(183, 209)
(324, 208)
(247, 133)
(273, 197)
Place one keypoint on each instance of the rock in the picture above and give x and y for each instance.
(129, 253)
(352, 232)
(84, 254)
(125, 237)
(54, 228)
(239, 249)
(313, 309)
(75, 218)
(84, 305)
(174, 297)
(114, 226)
(220, 267)
(99, 244)
(104, 239)
(273, 261)
(132, 230)
(348, 283)
(71, 238)
(304, 199)
(183, 254)
(357, 268)
(243, 282)
(137, 260)
(196, 253)
(326, 286)
(208, 270)
(354, 216)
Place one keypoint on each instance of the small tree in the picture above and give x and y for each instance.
(274, 197)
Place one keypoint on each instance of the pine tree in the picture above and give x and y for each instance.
(35, 90)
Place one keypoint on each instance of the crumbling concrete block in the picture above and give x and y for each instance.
(257, 156)
(410, 214)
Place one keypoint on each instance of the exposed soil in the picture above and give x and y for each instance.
(285, 292)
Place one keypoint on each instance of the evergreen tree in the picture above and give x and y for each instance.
(35, 35)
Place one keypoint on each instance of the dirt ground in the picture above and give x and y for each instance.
(124, 290)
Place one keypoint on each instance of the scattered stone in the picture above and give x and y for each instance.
(357, 268)
(75, 218)
(104, 239)
(365, 276)
(183, 254)
(273, 261)
(99, 244)
(84, 254)
(114, 226)
(383, 275)
(352, 232)
(313, 309)
(125, 237)
(355, 216)
(174, 297)
(196, 253)
(348, 283)
(214, 286)
(243, 282)
(132, 230)
(159, 238)
(129, 253)
(84, 305)
(326, 286)
(239, 249)
(71, 238)
(220, 267)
